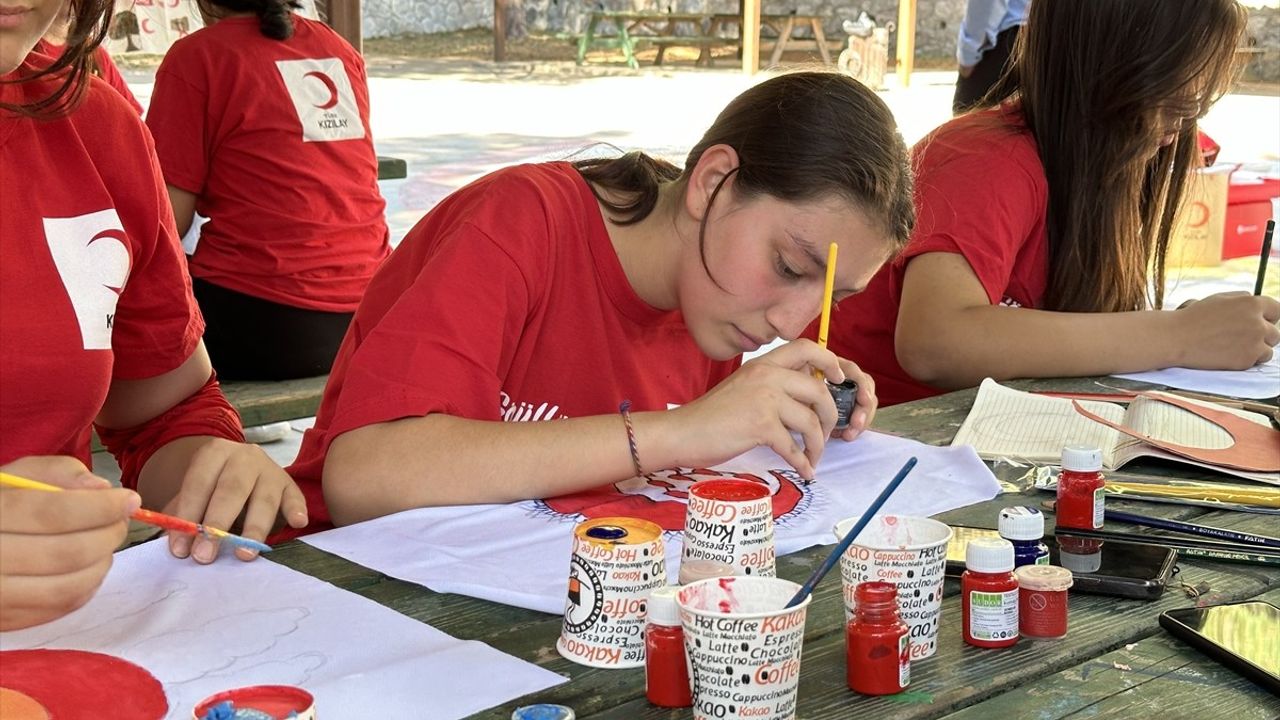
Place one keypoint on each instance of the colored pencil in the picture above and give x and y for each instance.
(828, 289)
(852, 535)
(150, 517)
(1263, 256)
(1187, 528)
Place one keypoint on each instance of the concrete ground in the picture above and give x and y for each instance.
(453, 121)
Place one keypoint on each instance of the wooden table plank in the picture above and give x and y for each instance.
(1165, 678)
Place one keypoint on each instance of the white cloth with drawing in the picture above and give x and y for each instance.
(518, 554)
(202, 630)
(1258, 382)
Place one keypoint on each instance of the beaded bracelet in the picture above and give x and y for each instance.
(625, 410)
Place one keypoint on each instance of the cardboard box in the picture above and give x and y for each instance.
(1248, 209)
(1198, 230)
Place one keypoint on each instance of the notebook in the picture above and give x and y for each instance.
(1022, 426)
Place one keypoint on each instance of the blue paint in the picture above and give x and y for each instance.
(603, 532)
(544, 711)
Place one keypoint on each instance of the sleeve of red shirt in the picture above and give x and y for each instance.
(108, 71)
(446, 343)
(178, 118)
(981, 203)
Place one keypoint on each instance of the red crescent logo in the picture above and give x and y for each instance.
(660, 497)
(118, 236)
(146, 26)
(329, 84)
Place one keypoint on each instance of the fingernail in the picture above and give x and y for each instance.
(246, 553)
(180, 545)
(132, 502)
(205, 550)
(298, 519)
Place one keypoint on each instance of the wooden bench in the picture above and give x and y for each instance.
(634, 29)
(783, 27)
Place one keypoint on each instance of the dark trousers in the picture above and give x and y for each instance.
(969, 90)
(254, 339)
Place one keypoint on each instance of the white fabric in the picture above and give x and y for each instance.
(202, 630)
(1259, 381)
(518, 554)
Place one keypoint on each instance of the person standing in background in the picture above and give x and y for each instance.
(986, 41)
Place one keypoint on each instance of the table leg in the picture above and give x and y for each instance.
(628, 49)
(784, 35)
(584, 42)
(822, 40)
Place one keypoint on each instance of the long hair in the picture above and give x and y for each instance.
(1099, 83)
(799, 137)
(275, 17)
(88, 22)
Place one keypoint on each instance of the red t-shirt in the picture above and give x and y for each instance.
(93, 286)
(273, 138)
(980, 192)
(506, 302)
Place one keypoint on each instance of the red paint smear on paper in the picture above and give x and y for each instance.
(76, 684)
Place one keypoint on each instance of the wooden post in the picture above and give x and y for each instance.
(344, 18)
(750, 27)
(906, 56)
(499, 30)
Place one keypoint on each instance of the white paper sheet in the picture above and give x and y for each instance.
(1258, 382)
(202, 630)
(518, 554)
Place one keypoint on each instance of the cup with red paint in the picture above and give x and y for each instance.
(910, 552)
(743, 645)
(730, 521)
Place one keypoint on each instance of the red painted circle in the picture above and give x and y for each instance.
(74, 683)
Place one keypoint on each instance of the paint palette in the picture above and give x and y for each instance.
(52, 684)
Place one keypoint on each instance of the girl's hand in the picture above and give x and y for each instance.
(224, 480)
(767, 400)
(1228, 331)
(56, 547)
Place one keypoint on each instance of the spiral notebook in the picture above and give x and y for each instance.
(1022, 426)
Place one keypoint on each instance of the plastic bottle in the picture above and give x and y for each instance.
(1042, 601)
(877, 642)
(989, 594)
(666, 673)
(1024, 527)
(1081, 488)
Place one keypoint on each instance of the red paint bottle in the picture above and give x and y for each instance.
(877, 643)
(1042, 601)
(666, 672)
(989, 594)
(1081, 488)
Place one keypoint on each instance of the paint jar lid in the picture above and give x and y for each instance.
(695, 570)
(256, 701)
(543, 711)
(1081, 458)
(1045, 578)
(1021, 523)
(662, 608)
(989, 555)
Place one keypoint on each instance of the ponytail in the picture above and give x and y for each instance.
(635, 174)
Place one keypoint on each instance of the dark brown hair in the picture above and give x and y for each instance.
(275, 17)
(87, 26)
(1099, 82)
(799, 137)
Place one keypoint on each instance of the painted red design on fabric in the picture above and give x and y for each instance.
(660, 497)
(76, 684)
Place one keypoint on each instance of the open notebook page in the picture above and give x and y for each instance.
(1022, 426)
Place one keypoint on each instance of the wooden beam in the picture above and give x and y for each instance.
(499, 30)
(750, 26)
(906, 55)
(344, 18)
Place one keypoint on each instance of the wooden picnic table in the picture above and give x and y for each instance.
(1114, 662)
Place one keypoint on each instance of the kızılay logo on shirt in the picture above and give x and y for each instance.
(91, 255)
(322, 96)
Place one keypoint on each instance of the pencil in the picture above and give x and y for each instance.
(1187, 528)
(828, 289)
(1263, 256)
(150, 517)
